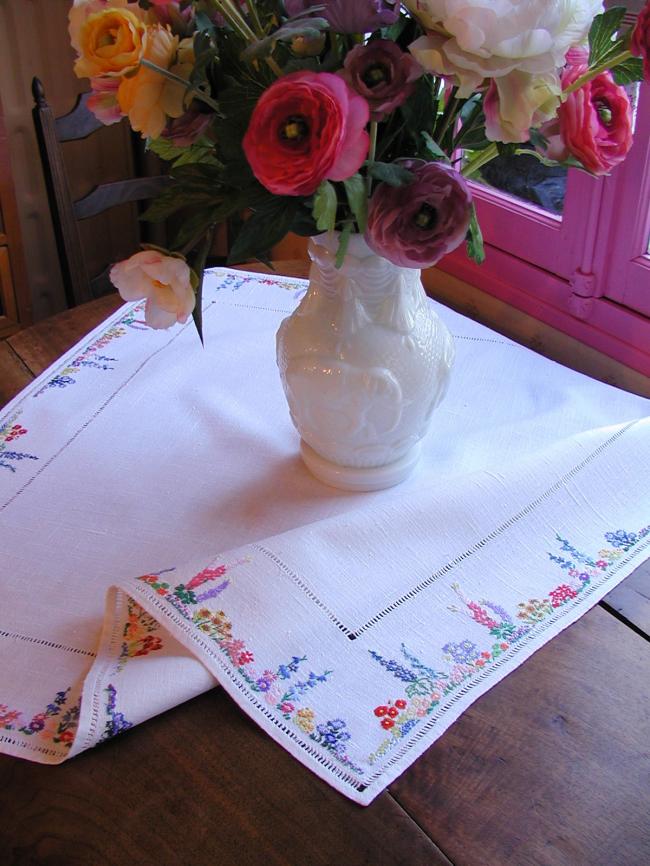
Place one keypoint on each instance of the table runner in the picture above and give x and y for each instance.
(159, 534)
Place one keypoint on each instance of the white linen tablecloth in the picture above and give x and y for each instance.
(159, 534)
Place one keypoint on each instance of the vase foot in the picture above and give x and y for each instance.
(359, 479)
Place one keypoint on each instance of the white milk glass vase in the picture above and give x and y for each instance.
(364, 361)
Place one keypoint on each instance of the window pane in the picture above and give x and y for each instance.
(526, 178)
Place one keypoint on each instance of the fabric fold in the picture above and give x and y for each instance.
(151, 493)
(357, 640)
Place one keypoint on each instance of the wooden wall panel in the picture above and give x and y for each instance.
(34, 41)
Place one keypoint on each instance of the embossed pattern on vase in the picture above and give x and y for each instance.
(364, 359)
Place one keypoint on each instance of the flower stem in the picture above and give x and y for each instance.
(480, 159)
(371, 155)
(590, 74)
(257, 24)
(234, 17)
(196, 94)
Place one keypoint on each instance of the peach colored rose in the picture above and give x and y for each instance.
(165, 281)
(81, 9)
(148, 98)
(595, 122)
(110, 42)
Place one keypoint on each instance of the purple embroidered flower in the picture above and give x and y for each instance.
(463, 652)
(416, 224)
(345, 16)
(383, 74)
(37, 723)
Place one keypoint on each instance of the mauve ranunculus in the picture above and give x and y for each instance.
(183, 131)
(383, 74)
(595, 121)
(640, 46)
(350, 16)
(415, 225)
(305, 128)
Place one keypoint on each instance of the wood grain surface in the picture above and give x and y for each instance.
(552, 766)
(200, 785)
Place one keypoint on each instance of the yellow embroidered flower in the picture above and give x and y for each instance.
(305, 720)
(110, 43)
(148, 97)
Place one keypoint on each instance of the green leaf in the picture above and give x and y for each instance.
(265, 228)
(434, 151)
(173, 199)
(197, 264)
(194, 226)
(356, 192)
(344, 241)
(325, 204)
(602, 35)
(628, 71)
(310, 28)
(475, 248)
(390, 173)
(419, 110)
(303, 223)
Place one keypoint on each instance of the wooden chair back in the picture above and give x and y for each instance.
(51, 133)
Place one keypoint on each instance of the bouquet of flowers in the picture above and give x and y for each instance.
(355, 116)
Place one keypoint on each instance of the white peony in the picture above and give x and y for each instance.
(472, 40)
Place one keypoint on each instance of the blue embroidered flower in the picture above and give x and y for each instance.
(463, 652)
(620, 538)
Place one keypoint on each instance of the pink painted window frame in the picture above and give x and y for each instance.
(586, 273)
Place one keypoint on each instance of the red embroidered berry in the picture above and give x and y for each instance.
(485, 655)
(387, 724)
(401, 705)
(392, 712)
(479, 663)
(504, 646)
(381, 711)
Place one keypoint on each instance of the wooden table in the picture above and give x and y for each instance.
(550, 768)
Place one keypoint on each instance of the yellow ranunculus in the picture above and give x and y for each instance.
(148, 97)
(110, 43)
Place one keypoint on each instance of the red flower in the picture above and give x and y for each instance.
(392, 712)
(306, 127)
(595, 121)
(640, 45)
(387, 724)
(401, 705)
(561, 594)
(381, 711)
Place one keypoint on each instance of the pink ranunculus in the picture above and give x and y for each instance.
(595, 121)
(415, 225)
(640, 45)
(163, 280)
(383, 74)
(103, 100)
(305, 128)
